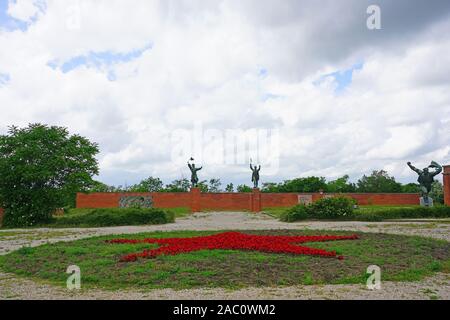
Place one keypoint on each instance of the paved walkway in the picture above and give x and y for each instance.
(438, 286)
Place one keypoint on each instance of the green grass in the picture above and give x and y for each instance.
(401, 258)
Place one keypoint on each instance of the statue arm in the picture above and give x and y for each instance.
(414, 168)
(198, 169)
(438, 168)
(251, 168)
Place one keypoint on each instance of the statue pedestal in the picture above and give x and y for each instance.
(428, 203)
(256, 200)
(195, 200)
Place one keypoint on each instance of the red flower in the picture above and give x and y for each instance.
(232, 241)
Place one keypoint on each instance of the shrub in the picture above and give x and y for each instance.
(326, 208)
(296, 213)
(332, 208)
(115, 217)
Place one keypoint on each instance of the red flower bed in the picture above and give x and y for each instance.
(233, 241)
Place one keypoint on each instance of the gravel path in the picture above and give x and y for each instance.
(437, 286)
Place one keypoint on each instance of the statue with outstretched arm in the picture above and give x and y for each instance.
(255, 175)
(194, 177)
(426, 177)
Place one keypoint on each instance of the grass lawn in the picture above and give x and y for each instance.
(401, 258)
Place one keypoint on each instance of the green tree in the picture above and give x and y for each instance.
(341, 185)
(214, 185)
(378, 181)
(411, 188)
(41, 169)
(180, 185)
(437, 192)
(309, 184)
(98, 186)
(243, 188)
(229, 187)
(203, 185)
(150, 184)
(270, 187)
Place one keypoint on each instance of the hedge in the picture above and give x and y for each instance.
(115, 217)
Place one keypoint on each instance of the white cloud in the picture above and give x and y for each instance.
(23, 10)
(205, 66)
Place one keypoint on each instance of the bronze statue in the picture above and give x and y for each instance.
(426, 178)
(255, 175)
(194, 177)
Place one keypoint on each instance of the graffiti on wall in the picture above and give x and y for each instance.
(136, 202)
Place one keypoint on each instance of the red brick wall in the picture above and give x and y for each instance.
(447, 185)
(237, 201)
(290, 199)
(111, 199)
(226, 201)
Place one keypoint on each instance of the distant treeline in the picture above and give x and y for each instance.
(377, 182)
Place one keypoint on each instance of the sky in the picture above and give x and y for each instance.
(307, 83)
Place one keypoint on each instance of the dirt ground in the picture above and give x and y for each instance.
(435, 287)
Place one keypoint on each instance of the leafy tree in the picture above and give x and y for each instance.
(150, 184)
(309, 184)
(243, 188)
(180, 185)
(229, 187)
(270, 187)
(214, 185)
(378, 181)
(41, 169)
(98, 186)
(437, 192)
(203, 185)
(411, 188)
(341, 185)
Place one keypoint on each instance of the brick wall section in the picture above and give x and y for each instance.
(226, 201)
(111, 199)
(447, 185)
(270, 200)
(254, 201)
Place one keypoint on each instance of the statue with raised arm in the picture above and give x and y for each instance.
(255, 175)
(194, 177)
(426, 178)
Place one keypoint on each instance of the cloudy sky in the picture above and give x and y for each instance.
(138, 76)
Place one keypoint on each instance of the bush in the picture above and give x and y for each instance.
(342, 209)
(405, 213)
(326, 208)
(332, 208)
(115, 217)
(296, 213)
